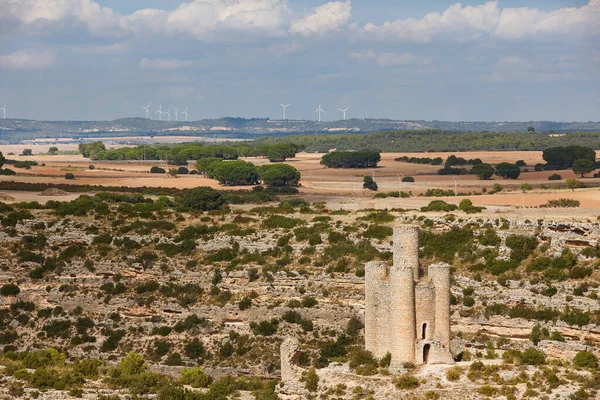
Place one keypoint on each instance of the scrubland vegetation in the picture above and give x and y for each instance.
(102, 288)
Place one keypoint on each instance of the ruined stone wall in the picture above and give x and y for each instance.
(439, 274)
(289, 370)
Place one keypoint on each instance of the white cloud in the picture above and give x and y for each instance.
(197, 18)
(473, 22)
(28, 59)
(46, 14)
(328, 17)
(202, 17)
(386, 59)
(164, 64)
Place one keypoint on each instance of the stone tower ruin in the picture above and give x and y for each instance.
(407, 310)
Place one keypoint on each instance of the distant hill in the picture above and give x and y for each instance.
(18, 129)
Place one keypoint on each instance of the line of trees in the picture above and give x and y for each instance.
(437, 140)
(421, 160)
(351, 159)
(181, 153)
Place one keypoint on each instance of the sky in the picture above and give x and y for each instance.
(504, 60)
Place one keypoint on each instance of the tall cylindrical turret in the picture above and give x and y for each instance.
(406, 248)
(375, 273)
(440, 276)
(402, 294)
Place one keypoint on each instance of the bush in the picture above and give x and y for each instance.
(585, 359)
(574, 184)
(562, 203)
(555, 177)
(453, 374)
(310, 379)
(408, 179)
(195, 377)
(533, 356)
(439, 205)
(69, 176)
(203, 198)
(10, 289)
(183, 171)
(406, 382)
(157, 170)
(264, 328)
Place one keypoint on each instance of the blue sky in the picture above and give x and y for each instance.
(475, 60)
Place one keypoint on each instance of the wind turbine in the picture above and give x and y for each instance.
(4, 109)
(169, 114)
(344, 111)
(284, 107)
(176, 116)
(185, 112)
(319, 110)
(160, 113)
(146, 108)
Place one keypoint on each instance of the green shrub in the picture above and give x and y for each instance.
(10, 289)
(69, 175)
(585, 359)
(533, 356)
(195, 377)
(406, 382)
(439, 205)
(310, 379)
(555, 177)
(453, 374)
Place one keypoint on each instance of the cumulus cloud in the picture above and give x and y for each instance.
(472, 22)
(41, 15)
(328, 17)
(197, 18)
(385, 59)
(28, 59)
(164, 64)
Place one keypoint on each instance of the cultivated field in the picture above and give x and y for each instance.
(332, 183)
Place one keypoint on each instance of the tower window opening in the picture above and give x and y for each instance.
(424, 331)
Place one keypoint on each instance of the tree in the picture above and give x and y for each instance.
(91, 150)
(564, 157)
(281, 151)
(236, 173)
(530, 129)
(508, 170)
(583, 166)
(53, 150)
(483, 171)
(2, 160)
(573, 184)
(279, 175)
(408, 179)
(369, 183)
(69, 175)
(157, 170)
(27, 152)
(203, 198)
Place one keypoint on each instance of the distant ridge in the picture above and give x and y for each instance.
(19, 129)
